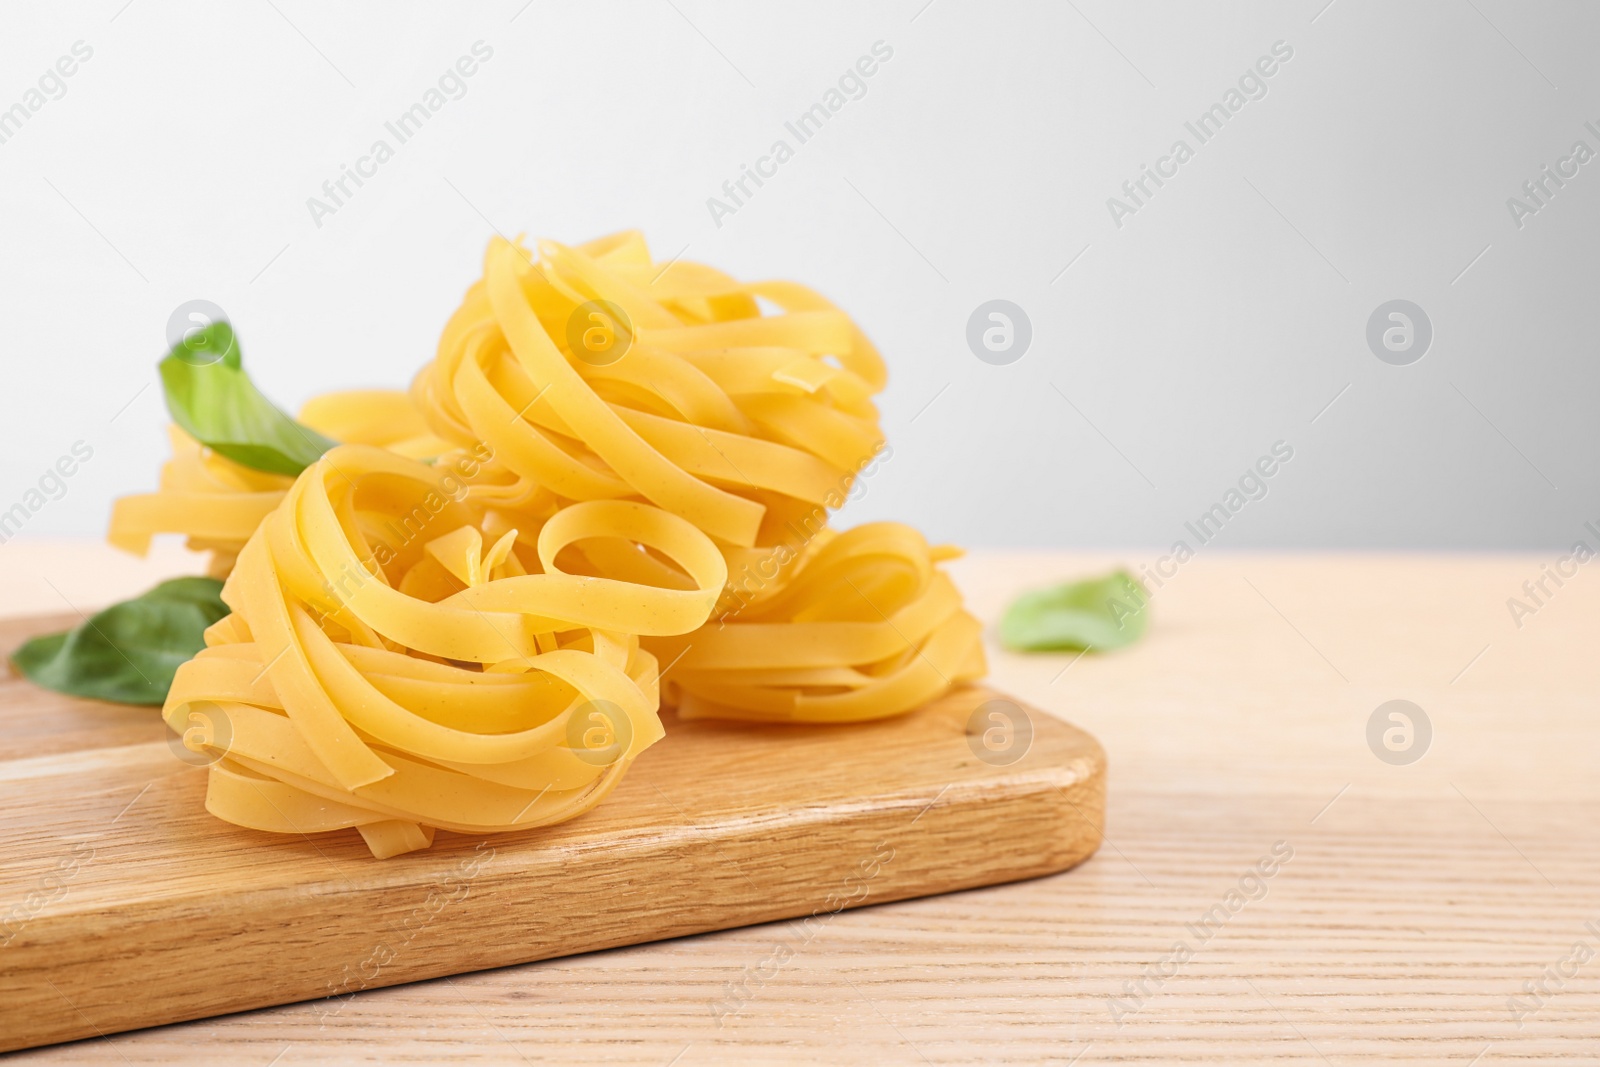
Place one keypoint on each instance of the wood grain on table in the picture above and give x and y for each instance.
(1269, 889)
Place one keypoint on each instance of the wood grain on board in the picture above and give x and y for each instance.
(130, 906)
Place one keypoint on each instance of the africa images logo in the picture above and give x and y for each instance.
(1252, 85)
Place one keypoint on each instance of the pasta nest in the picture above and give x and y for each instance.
(746, 408)
(609, 490)
(383, 669)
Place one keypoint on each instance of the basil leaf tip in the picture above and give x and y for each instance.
(1094, 615)
(129, 652)
(211, 397)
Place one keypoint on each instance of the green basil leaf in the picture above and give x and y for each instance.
(129, 652)
(216, 342)
(213, 399)
(1099, 614)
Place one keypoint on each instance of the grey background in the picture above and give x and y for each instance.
(1227, 314)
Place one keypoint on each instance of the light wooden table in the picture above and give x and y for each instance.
(1418, 901)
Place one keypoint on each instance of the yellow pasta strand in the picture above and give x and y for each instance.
(862, 626)
(384, 669)
(749, 425)
(734, 420)
(217, 503)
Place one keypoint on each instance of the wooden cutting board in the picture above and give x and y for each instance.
(123, 904)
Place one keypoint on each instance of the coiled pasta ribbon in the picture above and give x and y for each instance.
(749, 425)
(863, 626)
(737, 421)
(217, 503)
(383, 670)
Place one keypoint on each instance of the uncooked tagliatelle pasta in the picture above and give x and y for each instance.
(217, 503)
(747, 424)
(595, 373)
(629, 470)
(864, 626)
(385, 669)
